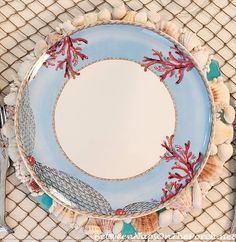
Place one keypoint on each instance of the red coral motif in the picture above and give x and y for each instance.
(31, 160)
(34, 186)
(70, 48)
(171, 65)
(184, 168)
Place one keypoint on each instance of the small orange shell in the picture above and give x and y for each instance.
(212, 169)
(147, 224)
(220, 93)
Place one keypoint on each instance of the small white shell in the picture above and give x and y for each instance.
(117, 227)
(202, 58)
(67, 26)
(129, 17)
(81, 220)
(213, 150)
(141, 17)
(223, 133)
(165, 218)
(225, 151)
(178, 217)
(40, 47)
(78, 21)
(189, 40)
(104, 15)
(10, 99)
(119, 12)
(205, 187)
(90, 18)
(150, 24)
(197, 196)
(154, 17)
(8, 129)
(169, 28)
(229, 114)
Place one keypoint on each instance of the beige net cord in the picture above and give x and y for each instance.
(23, 22)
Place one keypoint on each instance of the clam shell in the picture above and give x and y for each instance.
(8, 129)
(129, 17)
(10, 99)
(81, 220)
(212, 170)
(165, 218)
(119, 12)
(90, 18)
(91, 228)
(154, 17)
(117, 228)
(225, 151)
(141, 18)
(78, 21)
(197, 196)
(223, 133)
(147, 224)
(40, 47)
(229, 114)
(183, 201)
(106, 225)
(202, 58)
(178, 217)
(189, 40)
(104, 15)
(170, 29)
(220, 93)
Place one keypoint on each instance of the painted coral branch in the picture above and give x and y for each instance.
(185, 161)
(170, 190)
(70, 48)
(173, 65)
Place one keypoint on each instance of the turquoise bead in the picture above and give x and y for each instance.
(45, 201)
(128, 230)
(214, 70)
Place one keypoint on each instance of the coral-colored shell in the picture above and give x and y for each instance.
(106, 225)
(91, 228)
(212, 170)
(147, 224)
(183, 201)
(220, 93)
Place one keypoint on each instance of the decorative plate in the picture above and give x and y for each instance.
(114, 118)
(114, 111)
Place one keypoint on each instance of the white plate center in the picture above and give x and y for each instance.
(111, 120)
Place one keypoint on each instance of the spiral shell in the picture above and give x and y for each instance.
(212, 170)
(220, 93)
(147, 224)
(189, 40)
(170, 29)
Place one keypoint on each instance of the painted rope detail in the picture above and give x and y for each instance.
(173, 65)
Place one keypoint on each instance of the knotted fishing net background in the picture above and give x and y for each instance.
(23, 22)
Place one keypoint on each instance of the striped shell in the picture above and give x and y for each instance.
(212, 170)
(220, 93)
(147, 224)
(92, 228)
(169, 28)
(189, 40)
(106, 225)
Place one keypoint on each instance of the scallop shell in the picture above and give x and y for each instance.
(213, 150)
(183, 201)
(223, 133)
(170, 29)
(165, 218)
(212, 170)
(119, 12)
(189, 40)
(10, 99)
(197, 196)
(90, 18)
(81, 220)
(78, 21)
(147, 224)
(91, 228)
(202, 58)
(117, 228)
(178, 217)
(129, 17)
(40, 47)
(220, 93)
(225, 151)
(229, 114)
(106, 225)
(141, 18)
(104, 15)
(154, 17)
(8, 129)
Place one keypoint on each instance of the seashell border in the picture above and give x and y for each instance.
(221, 148)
